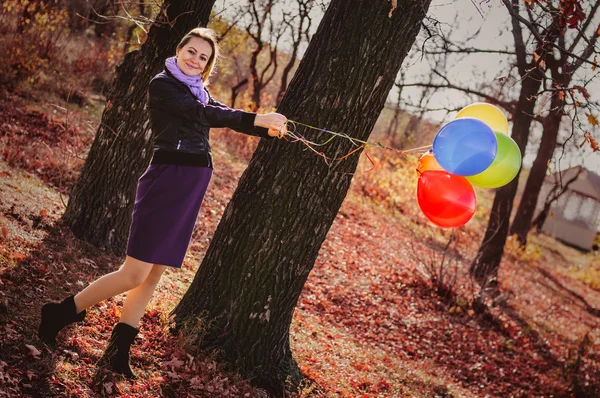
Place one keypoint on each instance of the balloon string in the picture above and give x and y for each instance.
(359, 144)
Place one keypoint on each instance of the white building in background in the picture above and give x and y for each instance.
(575, 217)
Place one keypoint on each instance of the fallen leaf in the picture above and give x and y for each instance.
(72, 354)
(88, 262)
(174, 363)
(108, 387)
(592, 119)
(33, 351)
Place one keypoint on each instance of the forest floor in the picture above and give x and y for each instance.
(369, 323)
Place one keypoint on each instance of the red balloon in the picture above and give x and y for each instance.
(447, 200)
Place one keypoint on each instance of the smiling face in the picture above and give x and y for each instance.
(193, 57)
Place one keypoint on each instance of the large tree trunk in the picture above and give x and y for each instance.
(101, 203)
(261, 254)
(524, 216)
(485, 265)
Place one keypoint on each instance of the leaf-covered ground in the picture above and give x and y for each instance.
(369, 322)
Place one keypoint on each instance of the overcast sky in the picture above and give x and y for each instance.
(491, 20)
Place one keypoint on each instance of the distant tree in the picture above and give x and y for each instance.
(298, 25)
(415, 111)
(265, 34)
(568, 55)
(262, 41)
(101, 203)
(233, 45)
(95, 14)
(265, 246)
(100, 17)
(142, 13)
(484, 267)
(532, 84)
(236, 89)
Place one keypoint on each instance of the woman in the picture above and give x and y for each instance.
(169, 193)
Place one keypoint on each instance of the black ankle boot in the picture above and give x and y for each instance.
(55, 316)
(116, 356)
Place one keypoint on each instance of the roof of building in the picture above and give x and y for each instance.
(592, 177)
(595, 180)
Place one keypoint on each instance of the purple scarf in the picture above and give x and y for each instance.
(193, 82)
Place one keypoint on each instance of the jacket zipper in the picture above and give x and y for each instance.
(178, 144)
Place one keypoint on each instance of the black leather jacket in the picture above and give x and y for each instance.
(180, 123)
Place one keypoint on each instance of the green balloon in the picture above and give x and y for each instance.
(504, 168)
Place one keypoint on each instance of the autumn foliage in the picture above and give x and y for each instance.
(370, 322)
(388, 311)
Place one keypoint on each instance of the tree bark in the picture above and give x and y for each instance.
(101, 203)
(562, 72)
(484, 268)
(266, 244)
(524, 216)
(235, 89)
(485, 265)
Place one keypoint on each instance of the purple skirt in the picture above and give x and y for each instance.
(167, 203)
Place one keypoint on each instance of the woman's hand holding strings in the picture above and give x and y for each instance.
(275, 122)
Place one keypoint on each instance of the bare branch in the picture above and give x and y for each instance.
(509, 106)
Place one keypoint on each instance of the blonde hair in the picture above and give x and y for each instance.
(210, 36)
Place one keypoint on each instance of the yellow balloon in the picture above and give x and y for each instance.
(487, 113)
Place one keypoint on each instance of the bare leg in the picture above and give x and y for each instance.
(132, 273)
(138, 298)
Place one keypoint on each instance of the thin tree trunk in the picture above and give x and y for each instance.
(235, 90)
(262, 252)
(486, 263)
(409, 131)
(285, 73)
(562, 72)
(539, 221)
(101, 203)
(392, 130)
(484, 268)
(522, 222)
(104, 27)
(256, 86)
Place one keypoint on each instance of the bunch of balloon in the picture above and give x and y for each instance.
(472, 149)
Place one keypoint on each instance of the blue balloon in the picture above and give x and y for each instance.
(465, 146)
